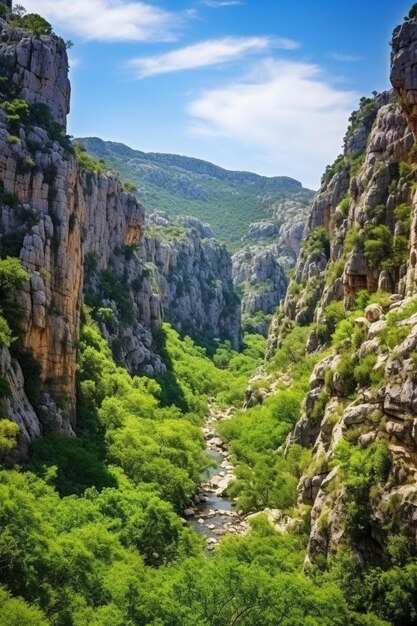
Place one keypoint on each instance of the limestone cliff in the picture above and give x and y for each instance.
(360, 247)
(260, 268)
(80, 236)
(54, 215)
(192, 272)
(262, 284)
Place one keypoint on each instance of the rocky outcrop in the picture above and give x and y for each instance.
(193, 274)
(360, 238)
(38, 68)
(262, 284)
(55, 216)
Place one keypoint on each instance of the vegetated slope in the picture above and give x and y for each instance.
(228, 201)
(345, 342)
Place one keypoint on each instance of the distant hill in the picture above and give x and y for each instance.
(229, 201)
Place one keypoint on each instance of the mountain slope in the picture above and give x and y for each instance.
(228, 201)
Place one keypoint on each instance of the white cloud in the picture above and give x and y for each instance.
(218, 4)
(349, 58)
(109, 20)
(286, 115)
(207, 53)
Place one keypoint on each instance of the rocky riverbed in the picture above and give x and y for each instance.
(213, 513)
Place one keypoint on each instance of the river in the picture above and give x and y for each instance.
(214, 514)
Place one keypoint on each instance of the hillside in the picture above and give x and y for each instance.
(228, 201)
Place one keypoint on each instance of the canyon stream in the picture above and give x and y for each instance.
(213, 514)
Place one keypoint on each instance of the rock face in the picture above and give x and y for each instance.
(262, 284)
(193, 274)
(55, 216)
(259, 268)
(38, 66)
(360, 238)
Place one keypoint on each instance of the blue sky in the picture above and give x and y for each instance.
(261, 85)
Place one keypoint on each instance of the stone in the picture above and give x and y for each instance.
(376, 328)
(373, 313)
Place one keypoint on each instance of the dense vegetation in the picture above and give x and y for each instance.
(89, 531)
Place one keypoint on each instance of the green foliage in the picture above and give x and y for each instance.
(363, 117)
(15, 612)
(332, 170)
(335, 271)
(35, 24)
(88, 162)
(345, 370)
(413, 11)
(380, 297)
(318, 242)
(364, 371)
(291, 350)
(8, 433)
(402, 214)
(129, 187)
(17, 110)
(405, 169)
(316, 414)
(335, 313)
(5, 333)
(362, 469)
(343, 206)
(352, 238)
(378, 245)
(5, 390)
(40, 115)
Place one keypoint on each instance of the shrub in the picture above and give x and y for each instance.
(344, 207)
(333, 169)
(405, 169)
(318, 242)
(5, 390)
(335, 271)
(378, 245)
(352, 238)
(35, 24)
(402, 214)
(345, 370)
(413, 11)
(16, 110)
(363, 371)
(316, 414)
(40, 115)
(8, 433)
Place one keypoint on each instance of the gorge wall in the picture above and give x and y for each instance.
(64, 220)
(356, 273)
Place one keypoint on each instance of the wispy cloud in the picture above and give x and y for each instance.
(287, 114)
(348, 58)
(218, 4)
(207, 53)
(109, 20)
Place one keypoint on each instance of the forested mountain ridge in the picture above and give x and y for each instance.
(228, 201)
(262, 219)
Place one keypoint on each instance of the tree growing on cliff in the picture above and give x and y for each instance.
(413, 11)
